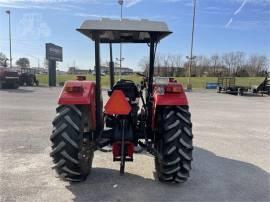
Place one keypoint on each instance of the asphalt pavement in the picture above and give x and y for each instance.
(231, 155)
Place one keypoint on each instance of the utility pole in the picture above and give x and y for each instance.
(121, 2)
(10, 56)
(191, 58)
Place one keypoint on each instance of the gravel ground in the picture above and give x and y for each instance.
(231, 156)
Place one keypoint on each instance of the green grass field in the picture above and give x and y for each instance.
(197, 82)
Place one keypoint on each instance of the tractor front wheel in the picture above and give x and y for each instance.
(66, 144)
(174, 144)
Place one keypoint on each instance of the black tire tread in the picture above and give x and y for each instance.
(173, 162)
(65, 140)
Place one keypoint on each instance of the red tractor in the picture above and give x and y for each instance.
(161, 124)
(9, 78)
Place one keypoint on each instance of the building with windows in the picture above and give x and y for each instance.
(124, 70)
(74, 70)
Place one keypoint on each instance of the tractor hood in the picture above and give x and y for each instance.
(124, 31)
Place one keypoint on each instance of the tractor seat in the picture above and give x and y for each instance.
(128, 87)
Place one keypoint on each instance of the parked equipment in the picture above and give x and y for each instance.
(162, 126)
(8, 78)
(264, 87)
(28, 77)
(227, 85)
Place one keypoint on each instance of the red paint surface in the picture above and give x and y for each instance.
(116, 149)
(168, 99)
(86, 97)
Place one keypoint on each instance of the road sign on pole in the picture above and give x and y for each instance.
(54, 54)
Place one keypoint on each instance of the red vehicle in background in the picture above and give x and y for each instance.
(9, 78)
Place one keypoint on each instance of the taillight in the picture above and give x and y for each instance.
(173, 89)
(74, 89)
(160, 90)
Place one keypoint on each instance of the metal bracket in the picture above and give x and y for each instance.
(86, 153)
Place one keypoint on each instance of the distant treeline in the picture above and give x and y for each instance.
(229, 64)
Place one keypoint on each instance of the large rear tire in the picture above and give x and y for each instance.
(174, 144)
(66, 144)
(30, 82)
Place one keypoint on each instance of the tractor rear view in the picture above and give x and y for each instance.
(161, 126)
(28, 77)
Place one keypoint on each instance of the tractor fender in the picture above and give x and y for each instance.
(86, 96)
(168, 99)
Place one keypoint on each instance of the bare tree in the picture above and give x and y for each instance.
(144, 64)
(166, 63)
(215, 62)
(232, 63)
(257, 65)
(202, 64)
(228, 59)
(239, 60)
(177, 64)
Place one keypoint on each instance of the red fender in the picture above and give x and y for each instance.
(168, 99)
(84, 96)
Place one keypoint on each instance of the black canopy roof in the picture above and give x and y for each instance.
(124, 31)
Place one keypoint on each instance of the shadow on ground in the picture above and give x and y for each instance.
(255, 95)
(19, 90)
(213, 178)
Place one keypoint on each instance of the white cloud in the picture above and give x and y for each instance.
(130, 3)
(44, 1)
(173, 1)
(229, 23)
(240, 8)
(45, 4)
(254, 1)
(32, 25)
(237, 12)
(61, 4)
(96, 15)
(249, 25)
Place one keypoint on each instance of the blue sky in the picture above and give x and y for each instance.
(221, 26)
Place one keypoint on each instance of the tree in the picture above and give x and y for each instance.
(228, 60)
(202, 65)
(257, 65)
(23, 62)
(3, 60)
(144, 64)
(178, 70)
(228, 64)
(240, 60)
(215, 62)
